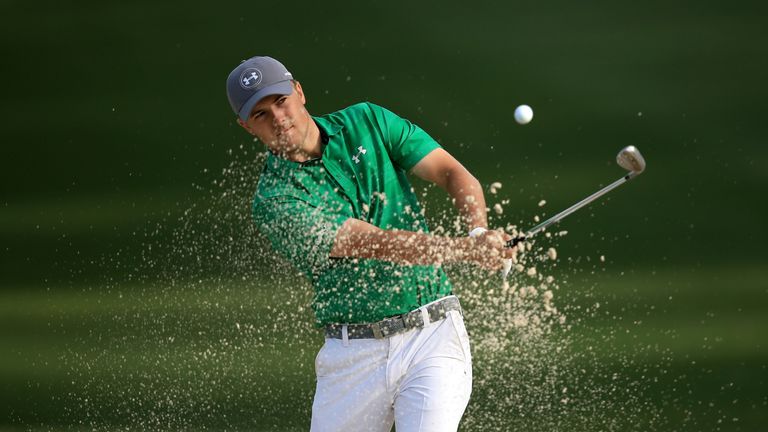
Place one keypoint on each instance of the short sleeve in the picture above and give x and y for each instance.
(406, 142)
(303, 234)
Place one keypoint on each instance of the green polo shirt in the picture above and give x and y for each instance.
(367, 151)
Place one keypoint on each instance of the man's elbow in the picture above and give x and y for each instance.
(461, 179)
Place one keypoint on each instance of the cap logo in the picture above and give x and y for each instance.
(250, 78)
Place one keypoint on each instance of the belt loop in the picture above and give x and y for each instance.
(424, 315)
(345, 335)
(377, 333)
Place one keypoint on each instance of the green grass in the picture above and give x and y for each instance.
(208, 355)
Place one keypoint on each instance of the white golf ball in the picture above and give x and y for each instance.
(523, 114)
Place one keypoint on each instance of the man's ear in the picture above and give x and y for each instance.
(300, 92)
(244, 126)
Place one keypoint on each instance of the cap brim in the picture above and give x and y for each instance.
(281, 88)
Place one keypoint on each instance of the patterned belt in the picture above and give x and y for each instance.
(387, 327)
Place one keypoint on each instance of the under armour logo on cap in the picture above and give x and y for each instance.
(250, 78)
(254, 79)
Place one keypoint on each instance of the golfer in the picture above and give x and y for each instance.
(334, 199)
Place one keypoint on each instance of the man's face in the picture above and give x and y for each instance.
(280, 122)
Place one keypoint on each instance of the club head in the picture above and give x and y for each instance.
(630, 159)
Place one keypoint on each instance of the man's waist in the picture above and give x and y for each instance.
(387, 327)
(367, 291)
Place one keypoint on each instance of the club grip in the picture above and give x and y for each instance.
(512, 243)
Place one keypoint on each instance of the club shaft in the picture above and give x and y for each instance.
(558, 217)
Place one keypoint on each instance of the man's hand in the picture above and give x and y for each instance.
(488, 250)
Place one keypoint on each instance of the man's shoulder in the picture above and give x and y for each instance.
(358, 119)
(360, 108)
(354, 112)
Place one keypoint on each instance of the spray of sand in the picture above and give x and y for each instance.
(213, 332)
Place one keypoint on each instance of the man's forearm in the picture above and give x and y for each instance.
(468, 197)
(403, 247)
(359, 239)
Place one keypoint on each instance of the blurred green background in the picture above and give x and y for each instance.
(129, 272)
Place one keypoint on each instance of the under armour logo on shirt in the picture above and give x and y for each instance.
(360, 151)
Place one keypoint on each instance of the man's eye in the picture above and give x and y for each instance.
(281, 100)
(256, 115)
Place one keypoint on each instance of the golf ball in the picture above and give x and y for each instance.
(523, 114)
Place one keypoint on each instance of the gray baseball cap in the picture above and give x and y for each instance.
(252, 80)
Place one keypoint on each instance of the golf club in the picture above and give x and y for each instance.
(628, 158)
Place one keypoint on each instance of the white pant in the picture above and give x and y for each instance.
(420, 380)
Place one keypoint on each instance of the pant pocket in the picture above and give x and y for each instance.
(461, 333)
(322, 363)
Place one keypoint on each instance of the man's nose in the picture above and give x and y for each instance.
(278, 114)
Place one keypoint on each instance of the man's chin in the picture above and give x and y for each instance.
(284, 149)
